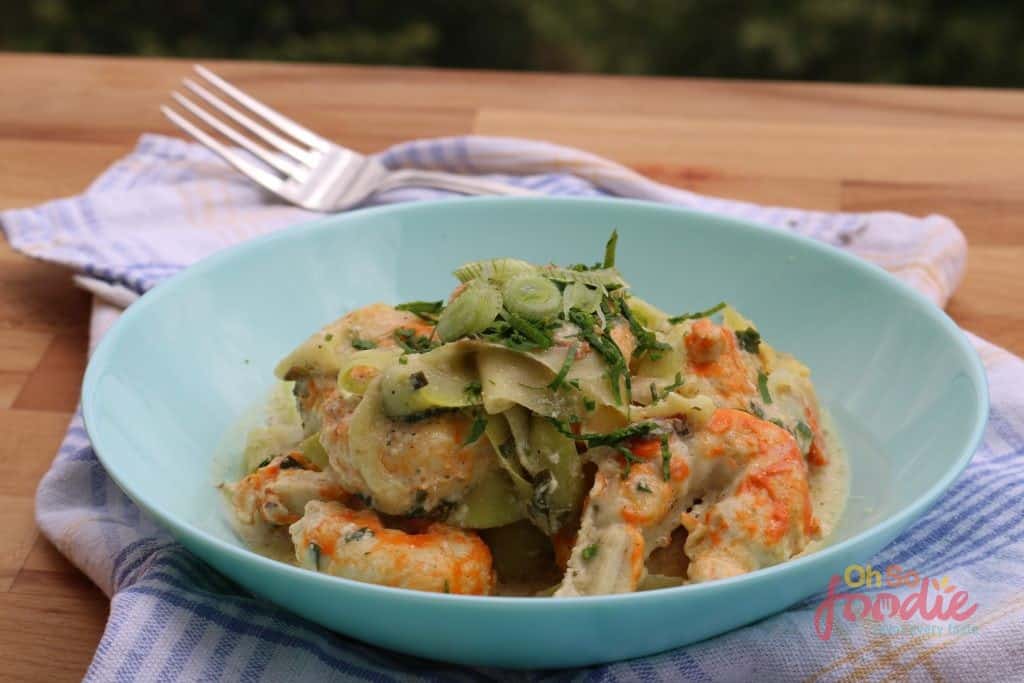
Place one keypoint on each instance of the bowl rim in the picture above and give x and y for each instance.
(103, 354)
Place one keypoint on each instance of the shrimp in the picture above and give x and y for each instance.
(762, 512)
(334, 539)
(402, 466)
(721, 369)
(276, 494)
(314, 365)
(738, 484)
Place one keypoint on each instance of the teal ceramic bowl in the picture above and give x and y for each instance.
(187, 361)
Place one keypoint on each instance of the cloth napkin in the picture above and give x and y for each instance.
(170, 203)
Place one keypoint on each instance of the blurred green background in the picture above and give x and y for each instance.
(913, 41)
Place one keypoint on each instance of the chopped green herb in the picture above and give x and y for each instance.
(646, 341)
(666, 458)
(290, 463)
(606, 347)
(328, 337)
(804, 431)
(756, 410)
(411, 342)
(609, 250)
(700, 314)
(531, 330)
(476, 430)
(762, 387)
(589, 403)
(403, 359)
(418, 380)
(427, 310)
(654, 393)
(362, 344)
(678, 382)
(749, 339)
(642, 487)
(563, 372)
(608, 438)
(779, 423)
(263, 463)
(473, 391)
(589, 553)
(630, 458)
(358, 534)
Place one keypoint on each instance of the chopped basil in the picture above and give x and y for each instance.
(666, 458)
(700, 314)
(756, 410)
(608, 438)
(630, 458)
(646, 341)
(606, 347)
(749, 340)
(589, 553)
(328, 337)
(411, 342)
(360, 344)
(563, 372)
(762, 387)
(589, 403)
(476, 430)
(803, 430)
(427, 310)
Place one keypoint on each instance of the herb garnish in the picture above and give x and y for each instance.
(473, 392)
(360, 344)
(646, 341)
(426, 310)
(476, 430)
(418, 380)
(666, 458)
(630, 458)
(762, 387)
(529, 329)
(700, 314)
(608, 438)
(563, 372)
(589, 553)
(663, 394)
(589, 403)
(609, 250)
(358, 534)
(606, 347)
(803, 430)
(264, 463)
(328, 337)
(749, 339)
(412, 342)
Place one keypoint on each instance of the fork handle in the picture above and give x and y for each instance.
(464, 184)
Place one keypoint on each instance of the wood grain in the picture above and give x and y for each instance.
(959, 152)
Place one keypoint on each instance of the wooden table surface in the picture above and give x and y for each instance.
(958, 152)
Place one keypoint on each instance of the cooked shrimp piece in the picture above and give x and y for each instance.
(276, 494)
(762, 514)
(354, 544)
(718, 367)
(738, 484)
(403, 466)
(624, 518)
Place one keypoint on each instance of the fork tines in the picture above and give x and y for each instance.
(293, 149)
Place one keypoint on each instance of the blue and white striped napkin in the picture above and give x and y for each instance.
(170, 203)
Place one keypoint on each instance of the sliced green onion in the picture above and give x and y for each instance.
(530, 330)
(581, 296)
(605, 277)
(498, 269)
(532, 296)
(471, 312)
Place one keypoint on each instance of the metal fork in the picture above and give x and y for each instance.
(302, 167)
